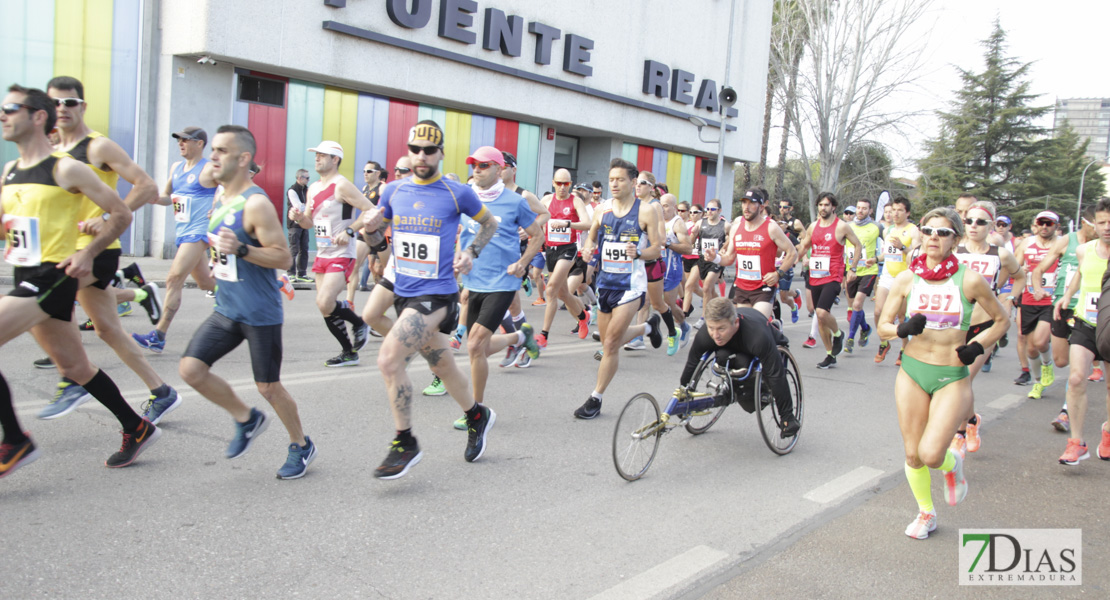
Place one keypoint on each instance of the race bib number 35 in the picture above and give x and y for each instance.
(416, 254)
(24, 248)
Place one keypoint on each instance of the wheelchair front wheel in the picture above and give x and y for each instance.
(636, 436)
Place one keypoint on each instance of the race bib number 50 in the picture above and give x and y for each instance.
(416, 254)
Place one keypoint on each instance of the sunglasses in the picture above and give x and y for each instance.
(368, 171)
(483, 165)
(306, 176)
(1001, 224)
(68, 102)
(562, 183)
(427, 150)
(13, 107)
(683, 210)
(1045, 222)
(695, 212)
(643, 182)
(712, 209)
(402, 170)
(939, 231)
(979, 222)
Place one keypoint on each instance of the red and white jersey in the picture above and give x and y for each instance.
(826, 260)
(562, 210)
(330, 216)
(1034, 254)
(755, 255)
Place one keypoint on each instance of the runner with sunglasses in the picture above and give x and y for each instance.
(709, 232)
(568, 219)
(995, 264)
(692, 215)
(932, 390)
(793, 229)
(1036, 299)
(648, 192)
(899, 242)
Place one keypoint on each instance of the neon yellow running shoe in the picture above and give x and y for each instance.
(1035, 393)
(1047, 376)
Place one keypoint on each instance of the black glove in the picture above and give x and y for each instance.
(968, 353)
(912, 326)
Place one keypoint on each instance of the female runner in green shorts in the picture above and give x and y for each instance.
(933, 390)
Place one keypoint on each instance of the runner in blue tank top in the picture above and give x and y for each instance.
(189, 191)
(248, 244)
(625, 236)
(424, 213)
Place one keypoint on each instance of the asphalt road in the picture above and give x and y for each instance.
(542, 515)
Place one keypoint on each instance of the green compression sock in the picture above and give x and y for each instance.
(140, 295)
(920, 483)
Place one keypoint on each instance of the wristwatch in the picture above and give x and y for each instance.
(780, 272)
(242, 251)
(350, 232)
(473, 252)
(105, 216)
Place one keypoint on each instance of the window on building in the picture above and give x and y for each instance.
(566, 152)
(260, 90)
(708, 167)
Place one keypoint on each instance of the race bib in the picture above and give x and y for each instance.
(224, 267)
(819, 266)
(707, 243)
(558, 235)
(747, 268)
(942, 309)
(323, 234)
(986, 268)
(1068, 275)
(24, 247)
(1090, 306)
(849, 255)
(1048, 282)
(892, 254)
(181, 206)
(615, 260)
(416, 254)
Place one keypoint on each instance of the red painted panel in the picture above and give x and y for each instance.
(699, 182)
(402, 116)
(644, 158)
(506, 136)
(267, 123)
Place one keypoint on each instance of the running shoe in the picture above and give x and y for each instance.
(959, 443)
(838, 343)
(590, 410)
(153, 341)
(460, 423)
(456, 340)
(374, 333)
(793, 315)
(123, 309)
(700, 323)
(1024, 379)
(477, 430)
(973, 439)
(246, 433)
(922, 526)
(67, 398)
(436, 388)
(362, 335)
(584, 326)
(789, 427)
(1036, 392)
(134, 274)
(836, 300)
(599, 355)
(809, 343)
(636, 343)
(1004, 340)
(880, 356)
(133, 445)
(87, 325)
(210, 294)
(531, 344)
(541, 340)
(527, 285)
(540, 302)
(287, 286)
(13, 456)
(864, 337)
(399, 460)
(955, 484)
(298, 460)
(1096, 375)
(157, 407)
(345, 358)
(512, 353)
(672, 345)
(850, 345)
(898, 362)
(44, 363)
(1104, 444)
(683, 338)
(1061, 422)
(656, 336)
(829, 362)
(523, 362)
(1074, 452)
(1047, 375)
(152, 304)
(798, 300)
(596, 335)
(987, 365)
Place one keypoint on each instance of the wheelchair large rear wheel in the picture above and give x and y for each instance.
(770, 421)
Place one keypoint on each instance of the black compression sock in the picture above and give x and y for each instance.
(582, 316)
(347, 315)
(107, 393)
(668, 318)
(973, 420)
(474, 413)
(405, 437)
(338, 328)
(544, 333)
(13, 433)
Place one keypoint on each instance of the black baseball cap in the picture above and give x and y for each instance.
(191, 133)
(510, 160)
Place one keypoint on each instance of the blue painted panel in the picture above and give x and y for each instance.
(483, 131)
(659, 164)
(126, 37)
(27, 48)
(370, 133)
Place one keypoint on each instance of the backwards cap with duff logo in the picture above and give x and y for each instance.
(427, 131)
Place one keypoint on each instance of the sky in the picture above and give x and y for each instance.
(1066, 40)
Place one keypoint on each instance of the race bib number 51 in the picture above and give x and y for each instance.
(24, 248)
(181, 205)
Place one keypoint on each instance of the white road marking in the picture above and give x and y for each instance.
(664, 575)
(842, 485)
(1006, 401)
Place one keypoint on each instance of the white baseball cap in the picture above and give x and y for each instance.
(328, 147)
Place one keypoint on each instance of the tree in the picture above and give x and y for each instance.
(865, 172)
(856, 57)
(788, 35)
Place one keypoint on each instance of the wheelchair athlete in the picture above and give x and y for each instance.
(744, 331)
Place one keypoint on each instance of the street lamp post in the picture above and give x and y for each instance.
(724, 113)
(1079, 203)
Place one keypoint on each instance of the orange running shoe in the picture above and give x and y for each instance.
(1075, 452)
(1104, 445)
(881, 355)
(541, 339)
(973, 439)
(540, 302)
(898, 362)
(584, 326)
(1096, 375)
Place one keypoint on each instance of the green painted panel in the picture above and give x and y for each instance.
(630, 152)
(27, 48)
(304, 129)
(528, 157)
(685, 189)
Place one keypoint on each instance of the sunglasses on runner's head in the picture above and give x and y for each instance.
(68, 102)
(562, 183)
(427, 150)
(979, 222)
(940, 231)
(1046, 222)
(402, 170)
(13, 107)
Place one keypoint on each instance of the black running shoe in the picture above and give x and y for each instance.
(656, 336)
(838, 344)
(830, 361)
(88, 325)
(152, 304)
(44, 363)
(590, 410)
(362, 335)
(477, 430)
(345, 359)
(13, 456)
(1024, 379)
(399, 460)
(134, 274)
(1004, 340)
(790, 427)
(133, 445)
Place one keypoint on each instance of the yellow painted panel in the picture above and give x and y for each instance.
(674, 171)
(83, 49)
(340, 125)
(457, 144)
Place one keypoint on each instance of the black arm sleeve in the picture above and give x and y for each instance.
(701, 344)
